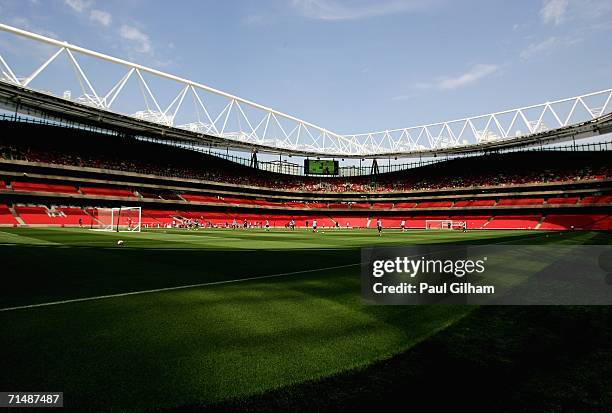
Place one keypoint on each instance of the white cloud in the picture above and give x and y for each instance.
(554, 11)
(593, 9)
(25, 24)
(100, 16)
(473, 75)
(548, 45)
(357, 9)
(539, 48)
(140, 39)
(444, 83)
(78, 5)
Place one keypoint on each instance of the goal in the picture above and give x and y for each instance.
(122, 219)
(447, 224)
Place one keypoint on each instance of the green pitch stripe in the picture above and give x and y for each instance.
(180, 287)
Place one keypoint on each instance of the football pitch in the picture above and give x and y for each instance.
(188, 318)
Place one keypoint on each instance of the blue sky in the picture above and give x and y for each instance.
(351, 66)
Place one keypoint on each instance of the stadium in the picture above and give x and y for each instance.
(198, 251)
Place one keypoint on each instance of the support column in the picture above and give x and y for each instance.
(374, 169)
(254, 163)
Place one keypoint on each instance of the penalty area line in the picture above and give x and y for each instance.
(180, 287)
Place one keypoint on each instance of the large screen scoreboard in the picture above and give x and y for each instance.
(320, 167)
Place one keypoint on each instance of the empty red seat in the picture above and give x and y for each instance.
(520, 201)
(6, 217)
(405, 204)
(43, 187)
(107, 191)
(579, 222)
(61, 216)
(317, 205)
(604, 199)
(237, 201)
(71, 216)
(513, 222)
(34, 215)
(562, 201)
(435, 204)
(295, 205)
(157, 217)
(360, 205)
(474, 203)
(382, 205)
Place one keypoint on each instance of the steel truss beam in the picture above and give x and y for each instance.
(248, 123)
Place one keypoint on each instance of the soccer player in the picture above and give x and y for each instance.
(244, 224)
(267, 225)
(403, 225)
(314, 225)
(379, 226)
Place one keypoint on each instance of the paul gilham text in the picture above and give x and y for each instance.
(425, 288)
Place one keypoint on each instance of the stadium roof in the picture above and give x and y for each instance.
(224, 120)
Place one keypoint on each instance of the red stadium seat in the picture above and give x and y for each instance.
(474, 203)
(107, 191)
(514, 222)
(42, 187)
(563, 201)
(579, 222)
(596, 200)
(405, 205)
(6, 217)
(435, 204)
(520, 201)
(382, 205)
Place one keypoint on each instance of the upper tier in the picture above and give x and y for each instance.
(62, 146)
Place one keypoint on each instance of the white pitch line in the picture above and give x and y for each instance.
(180, 287)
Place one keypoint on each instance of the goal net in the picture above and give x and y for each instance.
(123, 219)
(447, 224)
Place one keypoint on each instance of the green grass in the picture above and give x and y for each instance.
(209, 343)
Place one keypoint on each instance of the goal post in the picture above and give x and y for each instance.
(121, 219)
(447, 224)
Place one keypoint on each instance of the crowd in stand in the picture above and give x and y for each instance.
(123, 154)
